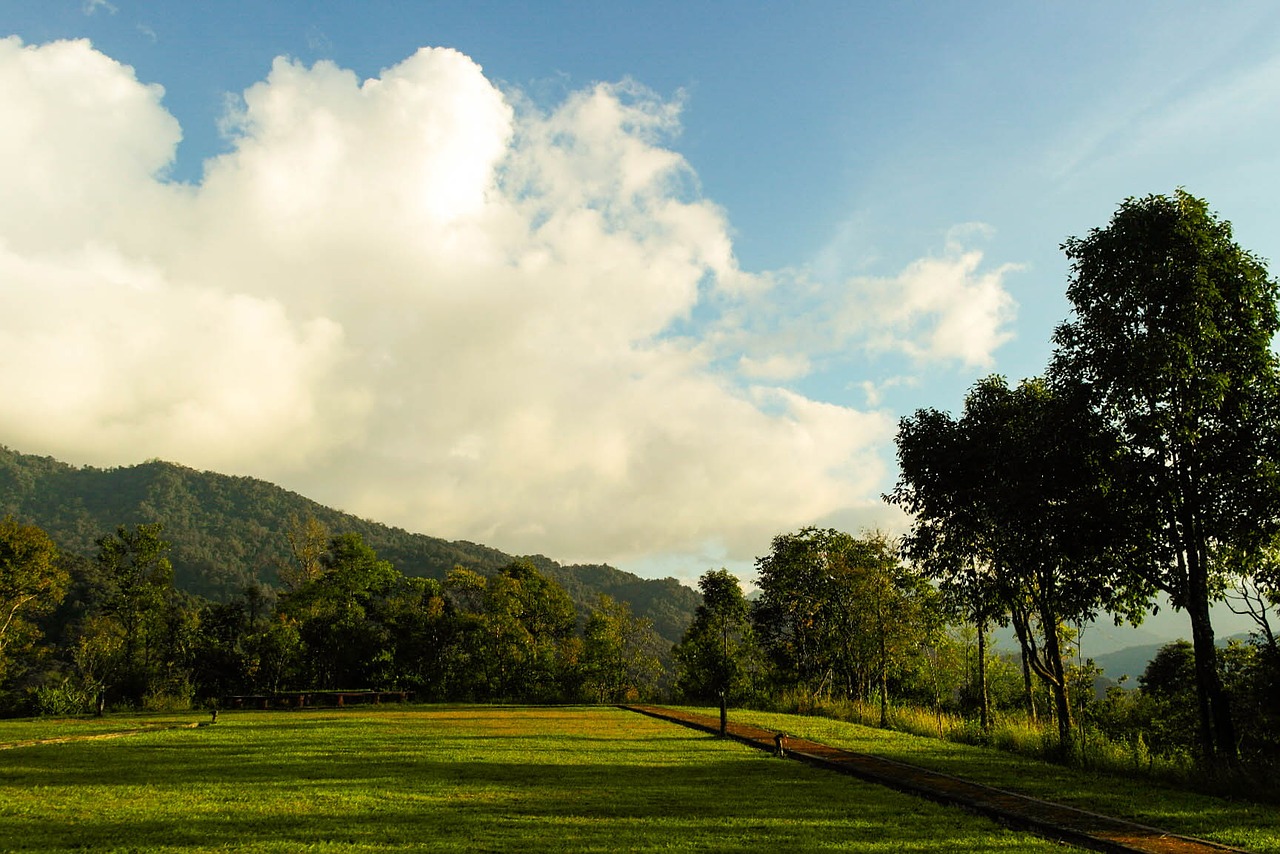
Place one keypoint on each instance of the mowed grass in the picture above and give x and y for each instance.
(449, 779)
(20, 732)
(1252, 825)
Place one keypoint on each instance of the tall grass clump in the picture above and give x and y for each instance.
(1011, 732)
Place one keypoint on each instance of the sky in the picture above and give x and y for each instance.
(637, 283)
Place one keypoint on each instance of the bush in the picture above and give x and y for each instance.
(176, 696)
(64, 699)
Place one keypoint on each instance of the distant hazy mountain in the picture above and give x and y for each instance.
(1102, 637)
(1132, 661)
(228, 532)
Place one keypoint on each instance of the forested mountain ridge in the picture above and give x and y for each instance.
(229, 532)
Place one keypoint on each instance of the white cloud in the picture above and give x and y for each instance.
(116, 359)
(412, 297)
(946, 308)
(943, 308)
(776, 366)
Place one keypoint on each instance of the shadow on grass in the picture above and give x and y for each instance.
(353, 788)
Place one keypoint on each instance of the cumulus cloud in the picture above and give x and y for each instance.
(947, 308)
(426, 301)
(941, 308)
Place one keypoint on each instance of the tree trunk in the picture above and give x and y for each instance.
(884, 683)
(984, 711)
(1047, 664)
(1058, 683)
(1217, 730)
(1024, 643)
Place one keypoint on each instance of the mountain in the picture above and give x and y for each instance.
(229, 532)
(1132, 661)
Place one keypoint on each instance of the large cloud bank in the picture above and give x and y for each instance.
(425, 301)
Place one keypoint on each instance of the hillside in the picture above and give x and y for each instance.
(1132, 661)
(228, 532)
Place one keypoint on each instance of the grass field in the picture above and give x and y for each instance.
(442, 779)
(1251, 825)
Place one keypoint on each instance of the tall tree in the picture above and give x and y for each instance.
(1019, 488)
(308, 545)
(942, 473)
(1170, 343)
(790, 615)
(134, 565)
(515, 634)
(714, 658)
(345, 644)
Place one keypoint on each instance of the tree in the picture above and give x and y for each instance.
(308, 543)
(134, 566)
(1255, 589)
(32, 581)
(1015, 513)
(1170, 344)
(790, 616)
(415, 614)
(233, 647)
(619, 654)
(515, 634)
(838, 614)
(533, 623)
(714, 658)
(345, 645)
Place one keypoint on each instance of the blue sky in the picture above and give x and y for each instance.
(638, 283)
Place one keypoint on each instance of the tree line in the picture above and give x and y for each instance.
(79, 635)
(843, 621)
(226, 533)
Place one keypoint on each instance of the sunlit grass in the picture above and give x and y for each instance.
(14, 732)
(1014, 732)
(450, 779)
(1236, 822)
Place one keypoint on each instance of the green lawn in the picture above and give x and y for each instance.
(445, 778)
(1238, 823)
(38, 729)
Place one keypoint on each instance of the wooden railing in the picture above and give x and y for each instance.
(310, 699)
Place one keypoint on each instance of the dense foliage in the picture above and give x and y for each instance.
(228, 534)
(1171, 345)
(1147, 460)
(126, 637)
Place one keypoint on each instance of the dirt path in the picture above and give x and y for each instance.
(95, 736)
(1055, 821)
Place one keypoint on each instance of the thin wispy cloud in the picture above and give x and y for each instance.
(91, 7)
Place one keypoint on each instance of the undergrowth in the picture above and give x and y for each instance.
(1017, 733)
